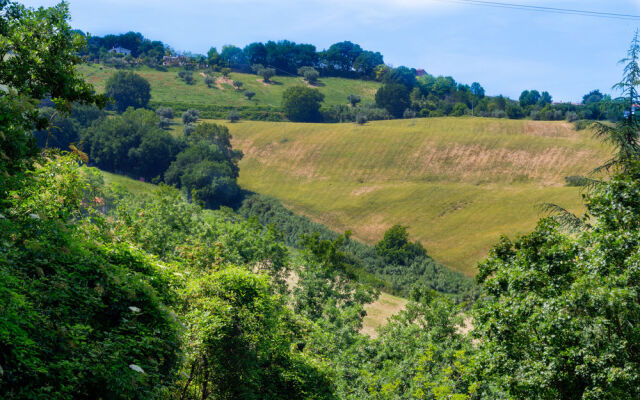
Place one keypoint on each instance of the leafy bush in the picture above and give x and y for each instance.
(165, 112)
(302, 104)
(186, 76)
(233, 116)
(190, 116)
(394, 98)
(128, 89)
(364, 261)
(132, 144)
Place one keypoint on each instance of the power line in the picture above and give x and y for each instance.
(552, 10)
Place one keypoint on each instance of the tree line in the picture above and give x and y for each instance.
(405, 92)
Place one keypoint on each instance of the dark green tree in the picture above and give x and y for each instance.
(366, 63)
(353, 99)
(396, 248)
(594, 96)
(128, 89)
(310, 74)
(394, 98)
(267, 74)
(477, 90)
(208, 167)
(403, 76)
(131, 144)
(302, 104)
(30, 70)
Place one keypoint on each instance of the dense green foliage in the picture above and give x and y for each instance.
(131, 144)
(413, 269)
(100, 49)
(78, 316)
(30, 70)
(134, 144)
(394, 98)
(107, 295)
(208, 167)
(128, 89)
(561, 314)
(302, 104)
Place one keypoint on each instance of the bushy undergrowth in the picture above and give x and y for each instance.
(399, 277)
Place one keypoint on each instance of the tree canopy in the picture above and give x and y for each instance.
(128, 89)
(302, 104)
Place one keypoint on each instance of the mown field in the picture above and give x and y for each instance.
(166, 87)
(457, 183)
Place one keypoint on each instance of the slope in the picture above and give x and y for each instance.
(167, 88)
(457, 183)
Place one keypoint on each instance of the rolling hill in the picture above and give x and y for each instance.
(167, 88)
(457, 183)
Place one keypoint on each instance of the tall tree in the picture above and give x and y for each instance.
(302, 104)
(128, 89)
(394, 98)
(32, 69)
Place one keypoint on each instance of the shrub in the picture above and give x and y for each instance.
(459, 109)
(394, 98)
(249, 94)
(571, 116)
(165, 112)
(233, 116)
(188, 129)
(409, 113)
(186, 76)
(310, 74)
(190, 116)
(267, 74)
(361, 119)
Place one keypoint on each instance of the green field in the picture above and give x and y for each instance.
(457, 183)
(166, 87)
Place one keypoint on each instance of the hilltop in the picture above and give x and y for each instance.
(457, 183)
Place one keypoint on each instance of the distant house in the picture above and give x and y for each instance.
(120, 50)
(421, 72)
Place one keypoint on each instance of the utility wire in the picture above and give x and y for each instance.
(552, 10)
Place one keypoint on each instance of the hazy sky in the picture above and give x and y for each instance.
(506, 50)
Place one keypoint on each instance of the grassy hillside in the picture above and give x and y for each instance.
(457, 183)
(166, 87)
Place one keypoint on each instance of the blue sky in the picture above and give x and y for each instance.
(505, 50)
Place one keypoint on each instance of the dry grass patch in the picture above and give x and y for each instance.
(379, 312)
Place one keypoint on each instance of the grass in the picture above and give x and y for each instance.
(457, 183)
(167, 87)
(379, 312)
(131, 185)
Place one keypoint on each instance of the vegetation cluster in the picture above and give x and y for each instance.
(108, 295)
